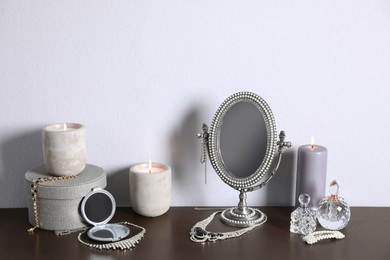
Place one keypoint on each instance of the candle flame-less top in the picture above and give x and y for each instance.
(314, 148)
(63, 127)
(149, 168)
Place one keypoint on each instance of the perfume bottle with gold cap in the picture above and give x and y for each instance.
(333, 211)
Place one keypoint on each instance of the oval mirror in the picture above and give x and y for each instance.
(242, 143)
(242, 140)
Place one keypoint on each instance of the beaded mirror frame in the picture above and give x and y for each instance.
(214, 144)
(242, 215)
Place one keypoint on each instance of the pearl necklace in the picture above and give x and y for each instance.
(199, 233)
(314, 237)
(122, 244)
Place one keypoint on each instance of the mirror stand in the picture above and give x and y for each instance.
(242, 215)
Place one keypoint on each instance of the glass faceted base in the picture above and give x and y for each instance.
(333, 211)
(333, 215)
(303, 219)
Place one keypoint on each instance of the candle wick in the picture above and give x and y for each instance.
(150, 171)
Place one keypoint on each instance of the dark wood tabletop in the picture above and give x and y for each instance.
(167, 237)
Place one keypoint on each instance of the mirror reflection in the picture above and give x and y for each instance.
(103, 233)
(98, 207)
(242, 139)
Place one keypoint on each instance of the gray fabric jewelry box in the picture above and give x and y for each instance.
(59, 201)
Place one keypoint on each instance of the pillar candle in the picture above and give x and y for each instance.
(150, 188)
(311, 172)
(64, 149)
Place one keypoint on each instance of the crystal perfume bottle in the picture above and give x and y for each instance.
(303, 219)
(333, 211)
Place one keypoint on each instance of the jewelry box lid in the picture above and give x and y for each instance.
(91, 177)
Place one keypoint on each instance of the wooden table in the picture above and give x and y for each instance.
(167, 237)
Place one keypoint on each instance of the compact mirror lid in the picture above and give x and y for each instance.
(98, 207)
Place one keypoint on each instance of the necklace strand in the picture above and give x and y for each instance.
(34, 194)
(122, 244)
(203, 158)
(199, 233)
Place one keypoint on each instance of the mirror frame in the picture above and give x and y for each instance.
(214, 145)
(85, 201)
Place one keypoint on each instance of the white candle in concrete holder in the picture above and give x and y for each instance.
(150, 188)
(64, 149)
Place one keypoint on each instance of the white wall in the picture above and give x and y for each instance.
(143, 75)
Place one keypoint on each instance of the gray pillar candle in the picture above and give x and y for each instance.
(311, 172)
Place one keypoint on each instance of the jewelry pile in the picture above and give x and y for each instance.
(199, 233)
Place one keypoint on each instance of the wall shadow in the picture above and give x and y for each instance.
(18, 154)
(118, 186)
(280, 191)
(185, 158)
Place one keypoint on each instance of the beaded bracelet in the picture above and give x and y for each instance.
(314, 237)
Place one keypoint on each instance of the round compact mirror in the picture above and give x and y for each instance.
(98, 208)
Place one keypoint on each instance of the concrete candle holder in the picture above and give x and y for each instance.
(150, 188)
(64, 149)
